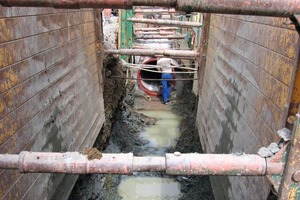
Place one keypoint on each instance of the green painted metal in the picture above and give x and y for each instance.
(126, 32)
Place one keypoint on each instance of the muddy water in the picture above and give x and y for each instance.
(160, 136)
(150, 188)
(165, 132)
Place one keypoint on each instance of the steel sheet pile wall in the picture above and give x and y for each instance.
(245, 94)
(50, 91)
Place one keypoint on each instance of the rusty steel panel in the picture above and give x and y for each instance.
(33, 87)
(249, 70)
(19, 140)
(50, 86)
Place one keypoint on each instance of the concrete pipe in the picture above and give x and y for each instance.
(151, 87)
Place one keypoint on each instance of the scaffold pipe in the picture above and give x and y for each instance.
(156, 52)
(156, 29)
(179, 37)
(184, 24)
(175, 164)
(278, 8)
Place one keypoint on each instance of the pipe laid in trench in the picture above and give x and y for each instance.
(175, 164)
(156, 52)
(278, 8)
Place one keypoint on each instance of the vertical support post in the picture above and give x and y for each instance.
(126, 32)
(99, 45)
(290, 185)
(203, 50)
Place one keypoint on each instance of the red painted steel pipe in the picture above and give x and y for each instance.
(279, 8)
(218, 164)
(75, 163)
(73, 4)
(175, 164)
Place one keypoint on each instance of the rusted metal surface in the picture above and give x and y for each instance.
(164, 3)
(156, 29)
(155, 52)
(185, 24)
(203, 51)
(279, 158)
(156, 33)
(154, 11)
(290, 187)
(238, 108)
(75, 163)
(161, 37)
(9, 162)
(144, 164)
(296, 176)
(74, 4)
(280, 8)
(214, 164)
(175, 164)
(49, 85)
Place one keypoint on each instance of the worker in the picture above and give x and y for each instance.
(166, 76)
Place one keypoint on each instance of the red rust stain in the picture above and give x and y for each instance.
(6, 56)
(5, 33)
(8, 80)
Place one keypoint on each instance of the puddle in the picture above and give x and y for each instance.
(160, 136)
(165, 132)
(149, 188)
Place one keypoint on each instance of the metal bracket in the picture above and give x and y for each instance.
(279, 157)
(296, 21)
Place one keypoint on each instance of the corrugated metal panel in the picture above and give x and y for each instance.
(249, 72)
(50, 89)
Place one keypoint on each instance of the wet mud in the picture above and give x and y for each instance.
(127, 124)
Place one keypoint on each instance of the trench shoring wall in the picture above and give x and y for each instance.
(50, 91)
(245, 94)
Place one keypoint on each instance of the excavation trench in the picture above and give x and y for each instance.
(147, 128)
